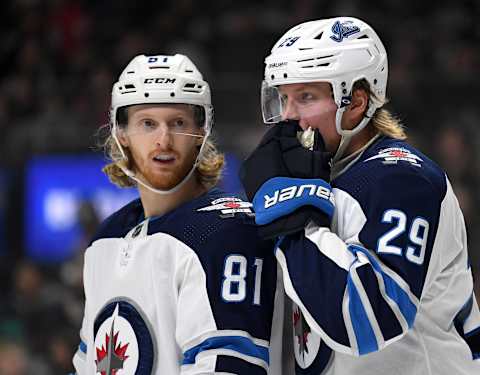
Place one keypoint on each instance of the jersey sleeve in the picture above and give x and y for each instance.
(226, 305)
(363, 291)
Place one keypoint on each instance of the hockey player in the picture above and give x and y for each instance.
(176, 282)
(373, 250)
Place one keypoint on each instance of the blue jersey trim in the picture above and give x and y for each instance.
(240, 344)
(392, 289)
(366, 340)
(83, 347)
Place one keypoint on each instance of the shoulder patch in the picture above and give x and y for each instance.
(229, 206)
(393, 155)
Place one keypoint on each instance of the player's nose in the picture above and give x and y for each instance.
(290, 111)
(163, 137)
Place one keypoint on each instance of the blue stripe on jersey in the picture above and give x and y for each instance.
(240, 344)
(392, 289)
(473, 337)
(83, 347)
(388, 323)
(366, 340)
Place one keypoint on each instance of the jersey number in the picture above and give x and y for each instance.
(418, 235)
(234, 285)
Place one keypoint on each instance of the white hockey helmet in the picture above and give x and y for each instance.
(161, 79)
(340, 51)
(156, 80)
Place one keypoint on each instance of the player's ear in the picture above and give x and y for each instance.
(122, 137)
(359, 101)
(356, 110)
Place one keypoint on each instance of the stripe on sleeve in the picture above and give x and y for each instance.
(239, 344)
(399, 294)
(362, 327)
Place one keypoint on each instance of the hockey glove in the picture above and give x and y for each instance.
(287, 183)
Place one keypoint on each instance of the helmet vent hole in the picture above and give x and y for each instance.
(365, 36)
(192, 87)
(383, 68)
(130, 72)
(172, 94)
(272, 76)
(324, 64)
(319, 36)
(129, 86)
(304, 49)
(375, 81)
(159, 67)
(285, 75)
(146, 94)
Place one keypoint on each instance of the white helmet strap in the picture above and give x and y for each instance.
(347, 134)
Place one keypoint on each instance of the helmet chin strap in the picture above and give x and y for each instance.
(132, 175)
(346, 134)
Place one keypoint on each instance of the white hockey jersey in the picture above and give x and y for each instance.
(389, 289)
(190, 292)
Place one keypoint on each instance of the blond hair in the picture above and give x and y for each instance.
(208, 171)
(383, 121)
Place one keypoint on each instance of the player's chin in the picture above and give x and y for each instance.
(165, 181)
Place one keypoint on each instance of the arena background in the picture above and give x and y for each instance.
(58, 60)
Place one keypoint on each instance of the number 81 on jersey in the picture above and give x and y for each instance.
(234, 283)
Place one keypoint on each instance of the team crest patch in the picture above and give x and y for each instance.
(310, 351)
(306, 343)
(123, 342)
(393, 155)
(229, 206)
(343, 30)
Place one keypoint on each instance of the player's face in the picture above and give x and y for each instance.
(313, 106)
(158, 138)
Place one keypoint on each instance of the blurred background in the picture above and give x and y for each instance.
(58, 61)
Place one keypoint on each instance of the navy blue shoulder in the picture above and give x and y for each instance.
(121, 222)
(215, 217)
(389, 166)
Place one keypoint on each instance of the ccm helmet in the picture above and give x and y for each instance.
(161, 79)
(155, 80)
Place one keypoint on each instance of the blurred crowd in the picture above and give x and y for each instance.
(58, 60)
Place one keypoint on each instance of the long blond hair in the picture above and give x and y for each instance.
(383, 121)
(208, 170)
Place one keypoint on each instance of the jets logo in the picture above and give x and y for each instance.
(343, 30)
(306, 342)
(123, 343)
(229, 206)
(393, 155)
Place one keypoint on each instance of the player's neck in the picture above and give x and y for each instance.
(361, 139)
(155, 204)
